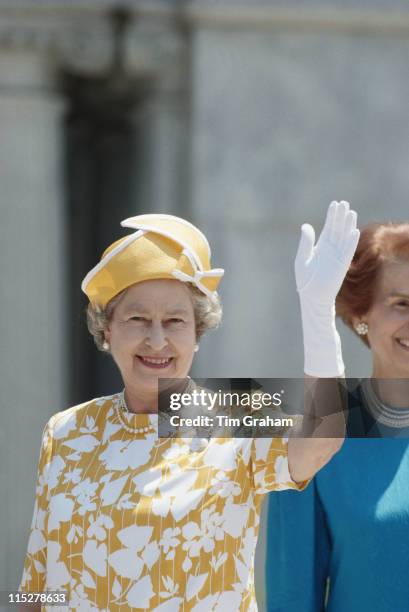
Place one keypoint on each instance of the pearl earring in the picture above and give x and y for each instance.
(361, 328)
(105, 345)
(196, 348)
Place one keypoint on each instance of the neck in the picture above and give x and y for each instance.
(141, 402)
(393, 391)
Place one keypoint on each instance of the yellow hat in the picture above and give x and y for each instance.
(163, 246)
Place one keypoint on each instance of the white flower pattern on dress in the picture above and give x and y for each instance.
(128, 521)
(169, 541)
(223, 486)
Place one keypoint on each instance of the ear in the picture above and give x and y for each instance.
(360, 326)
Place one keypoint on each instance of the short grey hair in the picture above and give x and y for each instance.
(208, 314)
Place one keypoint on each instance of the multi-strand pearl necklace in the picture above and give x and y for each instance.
(121, 407)
(387, 415)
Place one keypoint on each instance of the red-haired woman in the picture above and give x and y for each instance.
(342, 545)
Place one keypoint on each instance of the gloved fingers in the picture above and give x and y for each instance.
(351, 245)
(338, 225)
(326, 232)
(306, 244)
(350, 223)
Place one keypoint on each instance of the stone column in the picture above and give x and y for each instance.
(158, 57)
(33, 284)
(162, 134)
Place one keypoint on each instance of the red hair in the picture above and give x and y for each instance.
(378, 243)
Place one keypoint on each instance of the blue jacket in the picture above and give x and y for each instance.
(345, 539)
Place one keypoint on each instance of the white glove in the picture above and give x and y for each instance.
(319, 273)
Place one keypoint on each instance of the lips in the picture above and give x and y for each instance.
(155, 362)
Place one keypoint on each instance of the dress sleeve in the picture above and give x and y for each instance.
(269, 466)
(33, 578)
(298, 552)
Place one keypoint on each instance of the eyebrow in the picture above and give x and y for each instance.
(139, 308)
(398, 294)
(135, 306)
(178, 311)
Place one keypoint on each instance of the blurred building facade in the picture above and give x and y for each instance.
(247, 118)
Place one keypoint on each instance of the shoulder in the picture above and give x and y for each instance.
(83, 416)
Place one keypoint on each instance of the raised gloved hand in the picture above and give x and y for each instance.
(319, 273)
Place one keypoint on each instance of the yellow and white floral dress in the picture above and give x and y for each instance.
(124, 520)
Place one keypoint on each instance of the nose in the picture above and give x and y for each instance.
(156, 338)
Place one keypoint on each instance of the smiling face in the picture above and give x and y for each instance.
(388, 322)
(152, 334)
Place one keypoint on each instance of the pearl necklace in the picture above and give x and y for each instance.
(387, 415)
(121, 407)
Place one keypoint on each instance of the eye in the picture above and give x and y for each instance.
(136, 318)
(402, 304)
(175, 320)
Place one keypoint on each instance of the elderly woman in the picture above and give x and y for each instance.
(124, 519)
(343, 543)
